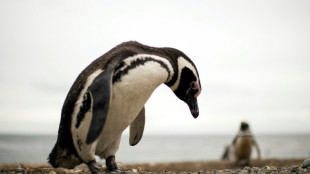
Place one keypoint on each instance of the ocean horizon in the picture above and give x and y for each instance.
(156, 148)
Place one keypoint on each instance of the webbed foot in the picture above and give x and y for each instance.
(111, 164)
(94, 167)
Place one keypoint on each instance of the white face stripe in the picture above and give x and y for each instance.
(128, 61)
(181, 64)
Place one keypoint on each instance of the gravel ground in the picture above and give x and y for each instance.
(269, 166)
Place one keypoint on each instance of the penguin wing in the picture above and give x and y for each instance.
(257, 149)
(136, 128)
(100, 91)
(235, 140)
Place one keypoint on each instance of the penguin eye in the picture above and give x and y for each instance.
(193, 85)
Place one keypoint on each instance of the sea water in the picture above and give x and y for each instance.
(152, 149)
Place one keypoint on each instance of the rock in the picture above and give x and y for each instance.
(267, 167)
(21, 170)
(294, 169)
(52, 172)
(306, 163)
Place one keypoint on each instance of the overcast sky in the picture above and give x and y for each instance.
(253, 58)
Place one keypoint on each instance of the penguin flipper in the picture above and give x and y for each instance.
(100, 91)
(136, 128)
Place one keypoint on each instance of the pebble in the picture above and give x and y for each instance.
(52, 172)
(20, 169)
(134, 170)
(245, 170)
(259, 170)
(306, 163)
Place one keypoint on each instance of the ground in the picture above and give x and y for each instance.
(256, 166)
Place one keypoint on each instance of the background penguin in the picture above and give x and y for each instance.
(241, 148)
(109, 95)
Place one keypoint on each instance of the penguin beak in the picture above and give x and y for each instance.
(192, 103)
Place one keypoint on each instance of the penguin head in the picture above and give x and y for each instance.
(187, 85)
(244, 126)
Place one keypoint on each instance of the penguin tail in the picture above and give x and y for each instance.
(63, 157)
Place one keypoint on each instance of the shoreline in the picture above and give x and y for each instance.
(222, 167)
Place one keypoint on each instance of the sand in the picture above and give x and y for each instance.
(199, 167)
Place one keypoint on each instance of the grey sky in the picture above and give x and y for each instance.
(253, 58)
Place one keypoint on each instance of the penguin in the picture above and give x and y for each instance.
(109, 95)
(241, 148)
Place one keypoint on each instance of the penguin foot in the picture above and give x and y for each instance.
(242, 163)
(247, 163)
(94, 167)
(111, 164)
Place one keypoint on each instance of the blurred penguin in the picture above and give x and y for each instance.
(241, 148)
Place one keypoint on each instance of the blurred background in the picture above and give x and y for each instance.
(253, 58)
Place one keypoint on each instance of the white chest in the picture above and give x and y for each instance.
(129, 95)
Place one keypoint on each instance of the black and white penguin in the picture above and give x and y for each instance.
(109, 95)
(241, 148)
